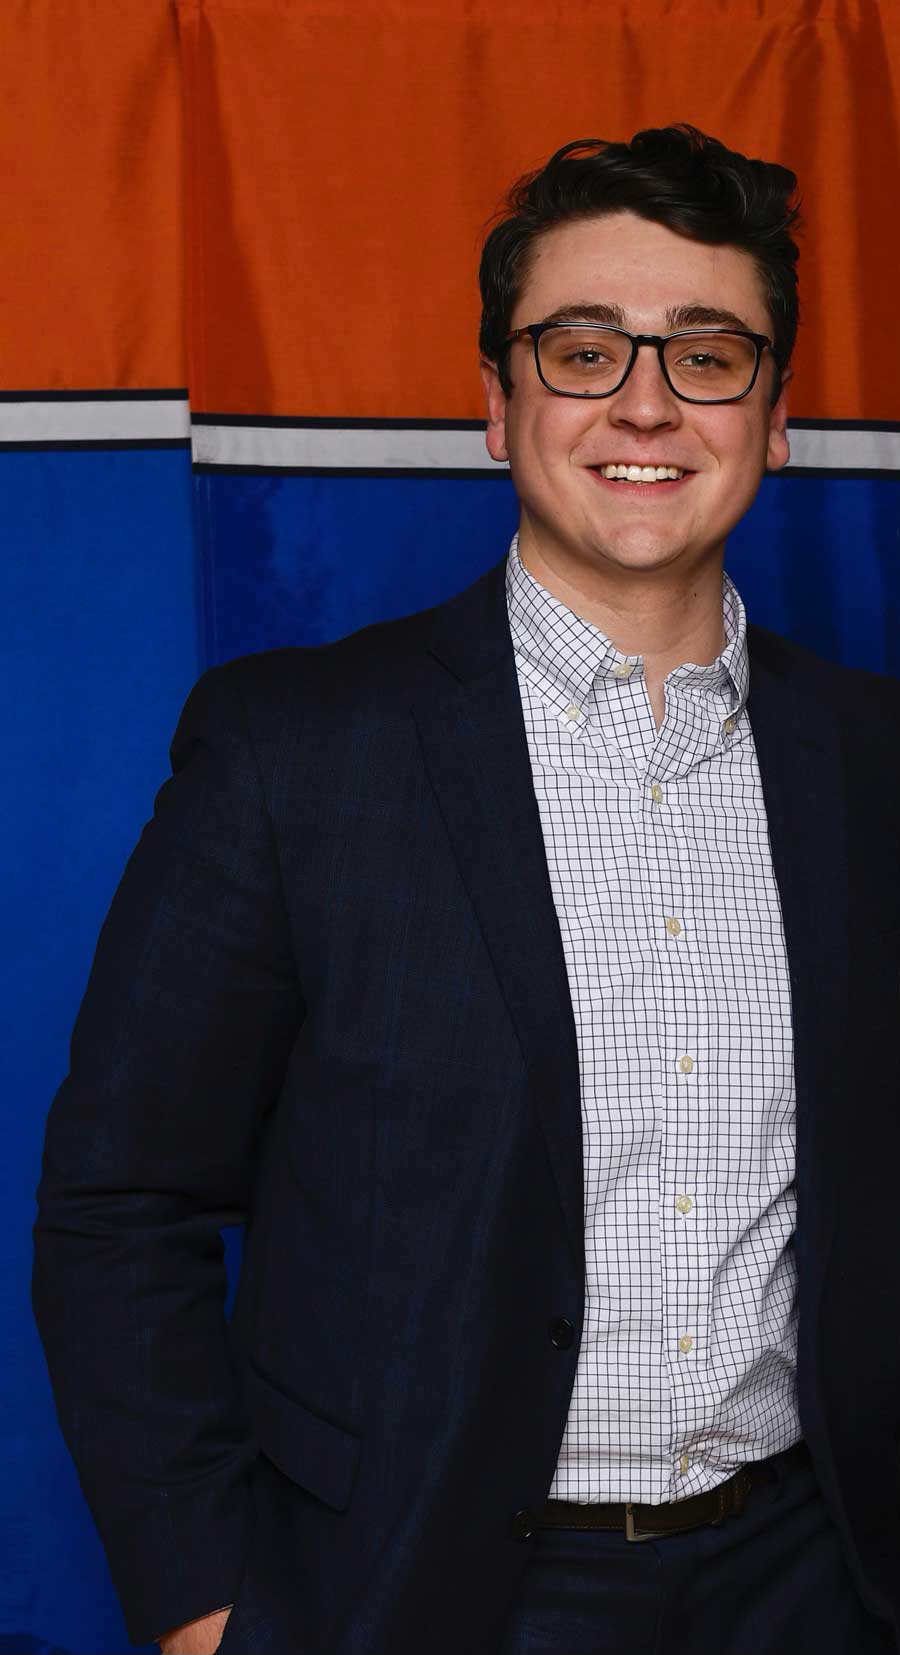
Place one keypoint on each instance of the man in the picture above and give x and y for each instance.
(525, 972)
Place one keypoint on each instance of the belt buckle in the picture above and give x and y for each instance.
(645, 1534)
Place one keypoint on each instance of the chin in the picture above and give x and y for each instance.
(638, 551)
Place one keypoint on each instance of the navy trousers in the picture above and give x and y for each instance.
(772, 1581)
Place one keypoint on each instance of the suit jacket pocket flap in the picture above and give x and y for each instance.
(321, 1457)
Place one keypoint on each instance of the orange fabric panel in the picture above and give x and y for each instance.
(92, 266)
(345, 156)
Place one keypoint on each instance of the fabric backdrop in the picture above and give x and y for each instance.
(239, 407)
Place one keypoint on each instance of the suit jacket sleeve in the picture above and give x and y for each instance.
(178, 1052)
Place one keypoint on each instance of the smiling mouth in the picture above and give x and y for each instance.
(641, 488)
(652, 475)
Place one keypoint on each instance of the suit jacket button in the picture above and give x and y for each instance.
(521, 1525)
(561, 1333)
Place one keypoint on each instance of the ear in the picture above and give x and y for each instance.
(495, 399)
(778, 450)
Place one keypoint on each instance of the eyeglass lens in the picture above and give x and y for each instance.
(703, 366)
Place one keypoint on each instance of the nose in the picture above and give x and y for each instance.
(645, 400)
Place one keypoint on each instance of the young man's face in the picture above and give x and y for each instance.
(555, 444)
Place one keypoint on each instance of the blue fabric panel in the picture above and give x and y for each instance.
(304, 560)
(106, 633)
(300, 560)
(97, 592)
(818, 560)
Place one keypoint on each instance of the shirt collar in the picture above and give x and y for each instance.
(573, 655)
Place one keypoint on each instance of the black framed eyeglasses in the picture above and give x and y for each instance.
(589, 359)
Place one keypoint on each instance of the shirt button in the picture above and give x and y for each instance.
(656, 793)
(622, 670)
(685, 1342)
(684, 1462)
(685, 1064)
(683, 1203)
(673, 926)
(572, 711)
(728, 726)
(561, 1333)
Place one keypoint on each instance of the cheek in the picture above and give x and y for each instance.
(548, 434)
(739, 443)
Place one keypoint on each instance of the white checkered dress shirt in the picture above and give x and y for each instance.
(658, 852)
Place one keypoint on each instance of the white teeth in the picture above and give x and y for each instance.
(642, 474)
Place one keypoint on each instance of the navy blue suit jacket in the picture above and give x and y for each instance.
(330, 998)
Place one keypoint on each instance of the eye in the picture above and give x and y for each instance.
(589, 359)
(701, 360)
(587, 356)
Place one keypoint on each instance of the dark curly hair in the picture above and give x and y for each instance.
(674, 175)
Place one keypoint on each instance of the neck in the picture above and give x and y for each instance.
(667, 616)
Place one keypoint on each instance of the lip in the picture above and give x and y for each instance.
(642, 491)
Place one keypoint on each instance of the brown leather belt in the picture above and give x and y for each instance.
(653, 1522)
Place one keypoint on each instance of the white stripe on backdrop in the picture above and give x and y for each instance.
(144, 417)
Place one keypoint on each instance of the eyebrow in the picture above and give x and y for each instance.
(678, 316)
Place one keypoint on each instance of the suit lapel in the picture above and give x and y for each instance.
(801, 766)
(476, 752)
